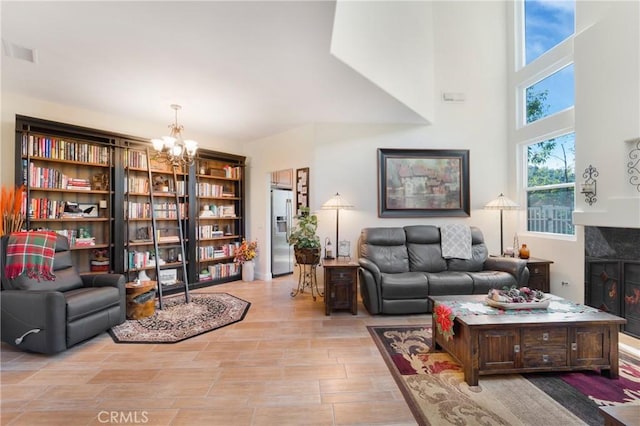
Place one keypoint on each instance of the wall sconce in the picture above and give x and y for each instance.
(633, 165)
(588, 187)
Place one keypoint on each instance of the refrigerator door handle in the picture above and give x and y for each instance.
(288, 219)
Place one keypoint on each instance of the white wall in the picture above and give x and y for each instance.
(13, 104)
(397, 57)
(607, 57)
(469, 57)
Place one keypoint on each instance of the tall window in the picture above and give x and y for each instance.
(550, 95)
(551, 185)
(546, 23)
(550, 145)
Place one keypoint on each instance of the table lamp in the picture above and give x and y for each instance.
(337, 203)
(502, 203)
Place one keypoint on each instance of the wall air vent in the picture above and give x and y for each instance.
(13, 50)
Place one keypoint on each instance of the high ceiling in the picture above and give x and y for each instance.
(241, 70)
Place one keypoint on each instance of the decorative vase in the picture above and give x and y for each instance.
(524, 252)
(248, 270)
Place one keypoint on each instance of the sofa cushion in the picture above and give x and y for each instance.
(449, 282)
(423, 246)
(486, 280)
(406, 306)
(86, 301)
(479, 254)
(386, 247)
(406, 285)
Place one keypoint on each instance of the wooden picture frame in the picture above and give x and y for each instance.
(302, 189)
(423, 182)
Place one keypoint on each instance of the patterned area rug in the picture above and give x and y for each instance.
(433, 385)
(179, 321)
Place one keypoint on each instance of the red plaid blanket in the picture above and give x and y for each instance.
(31, 253)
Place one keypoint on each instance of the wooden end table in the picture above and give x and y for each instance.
(141, 299)
(539, 274)
(530, 342)
(340, 285)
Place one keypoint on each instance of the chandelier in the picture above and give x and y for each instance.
(173, 149)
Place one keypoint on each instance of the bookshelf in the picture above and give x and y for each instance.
(140, 251)
(219, 208)
(67, 174)
(77, 168)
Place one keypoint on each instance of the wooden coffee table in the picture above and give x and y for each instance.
(527, 343)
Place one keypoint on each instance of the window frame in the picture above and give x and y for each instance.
(526, 189)
(554, 125)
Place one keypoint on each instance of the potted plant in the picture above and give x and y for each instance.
(244, 255)
(303, 238)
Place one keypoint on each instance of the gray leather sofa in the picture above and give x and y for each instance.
(400, 267)
(51, 316)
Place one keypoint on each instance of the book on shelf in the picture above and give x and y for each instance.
(227, 211)
(59, 149)
(232, 172)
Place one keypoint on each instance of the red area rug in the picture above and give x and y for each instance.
(433, 385)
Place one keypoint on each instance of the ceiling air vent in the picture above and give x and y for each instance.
(12, 50)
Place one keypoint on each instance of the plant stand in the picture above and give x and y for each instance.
(307, 278)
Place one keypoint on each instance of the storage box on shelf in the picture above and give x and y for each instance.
(67, 174)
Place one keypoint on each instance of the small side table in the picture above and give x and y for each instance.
(539, 274)
(141, 299)
(340, 285)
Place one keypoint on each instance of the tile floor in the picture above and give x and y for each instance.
(286, 363)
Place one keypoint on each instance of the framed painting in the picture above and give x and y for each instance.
(423, 182)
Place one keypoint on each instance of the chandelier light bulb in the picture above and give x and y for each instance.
(157, 144)
(169, 142)
(174, 149)
(190, 146)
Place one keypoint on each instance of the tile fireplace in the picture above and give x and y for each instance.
(612, 273)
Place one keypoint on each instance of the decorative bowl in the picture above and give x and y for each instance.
(542, 304)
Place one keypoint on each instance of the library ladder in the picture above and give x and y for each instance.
(168, 212)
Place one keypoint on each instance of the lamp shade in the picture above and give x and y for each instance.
(336, 203)
(502, 203)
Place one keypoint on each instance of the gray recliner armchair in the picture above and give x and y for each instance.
(51, 316)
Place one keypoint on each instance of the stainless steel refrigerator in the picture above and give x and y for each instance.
(281, 221)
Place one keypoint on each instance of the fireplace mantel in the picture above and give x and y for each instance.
(620, 212)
